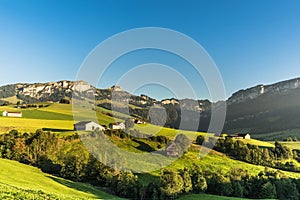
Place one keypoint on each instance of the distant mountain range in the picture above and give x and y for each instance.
(260, 109)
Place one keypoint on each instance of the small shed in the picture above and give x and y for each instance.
(11, 114)
(87, 126)
(240, 136)
(118, 125)
(138, 121)
(245, 136)
(172, 150)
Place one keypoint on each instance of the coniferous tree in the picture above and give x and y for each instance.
(268, 191)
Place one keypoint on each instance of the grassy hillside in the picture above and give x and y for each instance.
(278, 135)
(213, 161)
(30, 183)
(59, 118)
(56, 117)
(292, 145)
(259, 143)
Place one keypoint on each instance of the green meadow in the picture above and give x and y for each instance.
(19, 181)
(59, 118)
(292, 145)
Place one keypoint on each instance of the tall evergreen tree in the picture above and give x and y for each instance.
(268, 191)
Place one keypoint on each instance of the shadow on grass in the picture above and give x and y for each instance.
(56, 130)
(82, 187)
(143, 146)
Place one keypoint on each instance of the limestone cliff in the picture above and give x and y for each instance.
(254, 92)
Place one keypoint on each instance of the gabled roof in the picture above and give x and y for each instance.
(172, 147)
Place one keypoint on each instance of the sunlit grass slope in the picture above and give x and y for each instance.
(30, 183)
(60, 117)
(292, 145)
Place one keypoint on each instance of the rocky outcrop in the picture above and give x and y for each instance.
(51, 91)
(188, 104)
(169, 101)
(254, 92)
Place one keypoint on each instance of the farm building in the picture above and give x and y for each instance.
(240, 136)
(87, 126)
(11, 114)
(138, 121)
(118, 125)
(245, 136)
(172, 150)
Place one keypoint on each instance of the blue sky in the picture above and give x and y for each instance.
(251, 42)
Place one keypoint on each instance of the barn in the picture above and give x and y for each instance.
(87, 126)
(118, 125)
(11, 114)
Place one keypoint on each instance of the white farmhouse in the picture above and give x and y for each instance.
(118, 125)
(138, 121)
(11, 114)
(87, 126)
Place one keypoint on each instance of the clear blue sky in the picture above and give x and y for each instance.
(252, 42)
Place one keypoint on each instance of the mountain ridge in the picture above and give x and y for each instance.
(259, 109)
(253, 92)
(31, 89)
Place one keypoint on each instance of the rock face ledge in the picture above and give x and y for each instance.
(38, 90)
(254, 92)
(55, 91)
(51, 91)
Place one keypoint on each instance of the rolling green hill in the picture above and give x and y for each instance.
(292, 145)
(59, 118)
(19, 181)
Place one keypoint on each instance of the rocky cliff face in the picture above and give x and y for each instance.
(51, 91)
(254, 92)
(55, 91)
(40, 90)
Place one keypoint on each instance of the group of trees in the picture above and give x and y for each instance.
(268, 184)
(4, 103)
(46, 151)
(291, 139)
(32, 105)
(267, 156)
(136, 134)
(173, 184)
